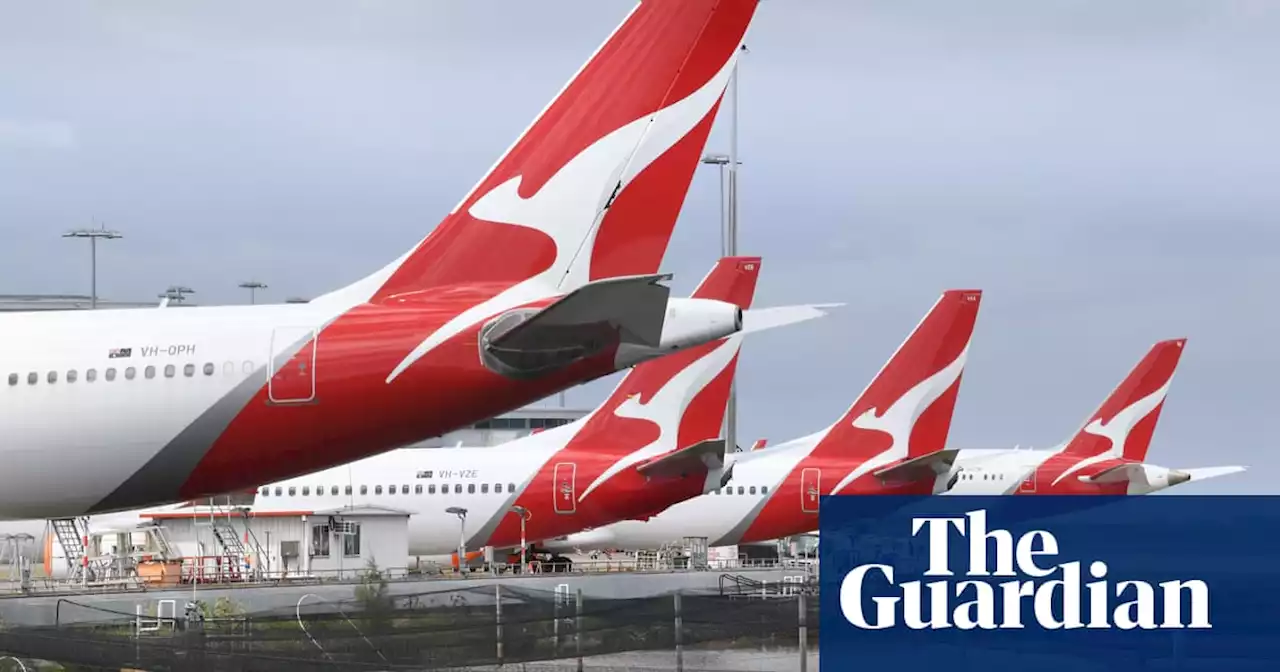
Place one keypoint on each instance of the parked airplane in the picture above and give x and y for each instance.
(650, 445)
(890, 441)
(1104, 457)
(541, 278)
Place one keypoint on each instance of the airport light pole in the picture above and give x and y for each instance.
(461, 513)
(729, 227)
(525, 515)
(720, 161)
(93, 235)
(176, 293)
(253, 286)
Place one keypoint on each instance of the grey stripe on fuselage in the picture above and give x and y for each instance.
(481, 536)
(159, 480)
(734, 535)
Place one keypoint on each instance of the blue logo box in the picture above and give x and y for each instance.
(1050, 583)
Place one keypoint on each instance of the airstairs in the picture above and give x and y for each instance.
(68, 532)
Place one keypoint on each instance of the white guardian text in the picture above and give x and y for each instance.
(1053, 595)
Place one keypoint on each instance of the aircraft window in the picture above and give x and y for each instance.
(457, 489)
(740, 490)
(484, 488)
(764, 489)
(13, 379)
(71, 376)
(306, 490)
(391, 489)
(752, 491)
(511, 487)
(497, 488)
(417, 489)
(266, 491)
(248, 367)
(377, 489)
(91, 375)
(431, 489)
(33, 378)
(333, 491)
(277, 491)
(471, 488)
(404, 489)
(716, 492)
(149, 372)
(444, 489)
(110, 373)
(53, 376)
(169, 370)
(984, 477)
(208, 368)
(130, 373)
(189, 370)
(319, 491)
(228, 368)
(364, 489)
(346, 490)
(292, 491)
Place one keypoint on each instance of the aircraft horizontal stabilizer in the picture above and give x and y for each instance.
(1205, 473)
(762, 319)
(918, 468)
(529, 342)
(707, 455)
(1121, 473)
(1135, 472)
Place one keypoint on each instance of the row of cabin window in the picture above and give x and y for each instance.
(391, 489)
(744, 490)
(986, 477)
(90, 375)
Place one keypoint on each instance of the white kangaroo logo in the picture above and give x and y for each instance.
(899, 420)
(1117, 429)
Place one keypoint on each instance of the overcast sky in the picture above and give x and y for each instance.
(1107, 170)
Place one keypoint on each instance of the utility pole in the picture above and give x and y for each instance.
(93, 235)
(253, 286)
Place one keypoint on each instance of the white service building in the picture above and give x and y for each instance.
(229, 545)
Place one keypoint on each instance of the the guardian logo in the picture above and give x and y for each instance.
(1055, 603)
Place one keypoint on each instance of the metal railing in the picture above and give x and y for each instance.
(498, 571)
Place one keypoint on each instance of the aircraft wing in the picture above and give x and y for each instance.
(917, 468)
(702, 455)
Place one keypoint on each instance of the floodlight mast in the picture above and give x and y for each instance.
(93, 235)
(253, 286)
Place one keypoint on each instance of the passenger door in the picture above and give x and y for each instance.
(810, 489)
(566, 491)
(293, 366)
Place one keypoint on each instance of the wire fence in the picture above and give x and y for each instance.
(444, 629)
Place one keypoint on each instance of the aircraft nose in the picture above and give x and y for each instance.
(1176, 477)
